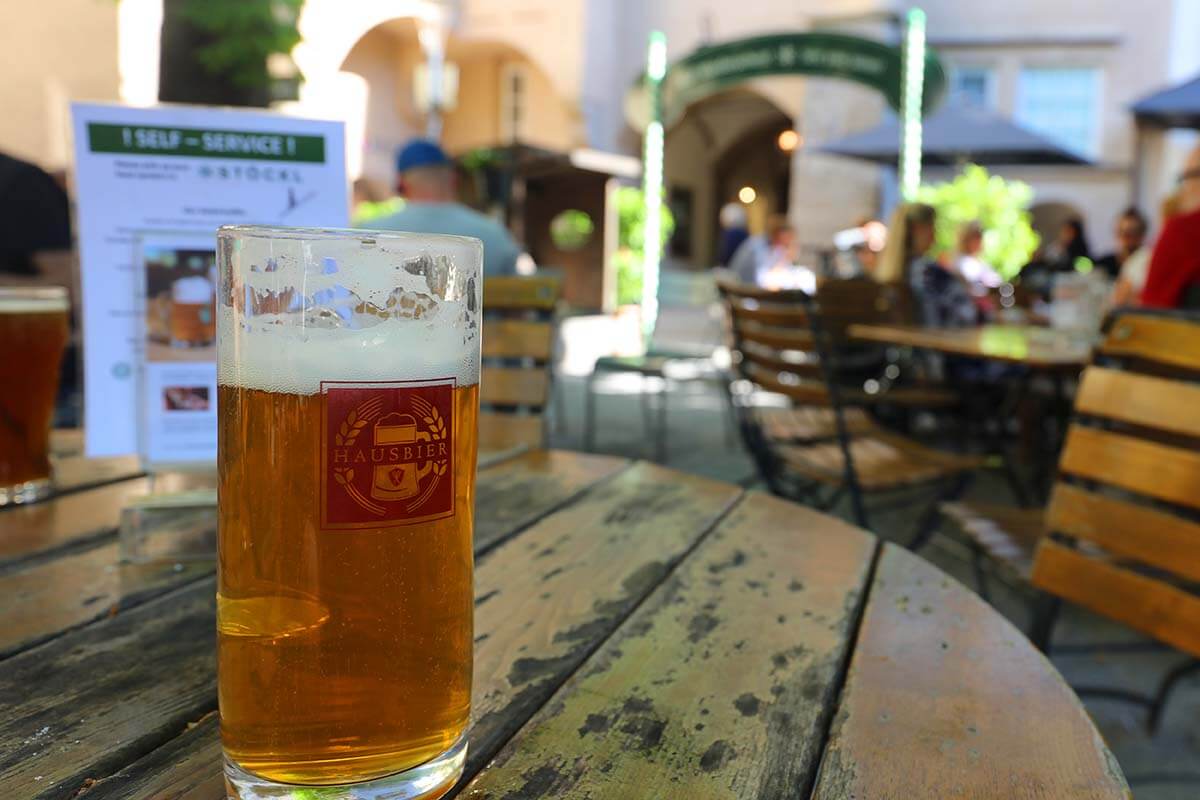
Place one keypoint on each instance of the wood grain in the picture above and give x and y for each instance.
(500, 431)
(89, 702)
(186, 768)
(514, 386)
(1041, 348)
(79, 518)
(1142, 400)
(945, 699)
(544, 601)
(576, 575)
(76, 472)
(52, 597)
(719, 686)
(1154, 537)
(1165, 340)
(1152, 606)
(520, 491)
(1152, 469)
(517, 338)
(513, 292)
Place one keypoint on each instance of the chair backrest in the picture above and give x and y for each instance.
(773, 333)
(518, 350)
(1124, 519)
(772, 341)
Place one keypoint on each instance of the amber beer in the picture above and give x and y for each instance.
(192, 320)
(346, 502)
(33, 335)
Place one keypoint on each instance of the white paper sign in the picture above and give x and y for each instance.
(161, 179)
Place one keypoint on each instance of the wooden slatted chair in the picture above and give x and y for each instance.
(1121, 535)
(518, 348)
(781, 346)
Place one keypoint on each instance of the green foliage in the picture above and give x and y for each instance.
(367, 210)
(243, 35)
(571, 229)
(631, 233)
(999, 206)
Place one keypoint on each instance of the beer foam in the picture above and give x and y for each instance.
(35, 302)
(194, 289)
(361, 307)
(292, 359)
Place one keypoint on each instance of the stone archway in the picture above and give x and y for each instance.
(719, 144)
(360, 66)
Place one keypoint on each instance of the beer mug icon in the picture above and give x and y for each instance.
(400, 480)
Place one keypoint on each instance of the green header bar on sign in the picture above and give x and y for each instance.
(715, 67)
(201, 143)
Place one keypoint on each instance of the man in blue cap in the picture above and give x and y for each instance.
(427, 182)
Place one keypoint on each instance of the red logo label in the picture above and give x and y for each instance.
(387, 453)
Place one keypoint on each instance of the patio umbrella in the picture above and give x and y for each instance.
(1174, 107)
(953, 135)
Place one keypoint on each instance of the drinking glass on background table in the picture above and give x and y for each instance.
(34, 330)
(348, 377)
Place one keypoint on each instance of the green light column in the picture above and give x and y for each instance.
(912, 89)
(652, 182)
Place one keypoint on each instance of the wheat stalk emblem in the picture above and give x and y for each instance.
(437, 431)
(353, 425)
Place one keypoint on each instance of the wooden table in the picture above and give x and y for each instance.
(641, 633)
(1029, 345)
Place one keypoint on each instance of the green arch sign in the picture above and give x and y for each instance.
(715, 67)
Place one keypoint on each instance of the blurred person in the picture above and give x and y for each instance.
(1061, 256)
(1130, 235)
(36, 219)
(978, 274)
(429, 184)
(1070, 246)
(777, 248)
(942, 296)
(1173, 279)
(866, 241)
(1131, 274)
(733, 232)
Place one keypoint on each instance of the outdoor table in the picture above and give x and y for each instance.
(640, 633)
(1036, 347)
(1058, 354)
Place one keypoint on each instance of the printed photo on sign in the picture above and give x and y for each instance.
(178, 369)
(186, 398)
(387, 453)
(181, 323)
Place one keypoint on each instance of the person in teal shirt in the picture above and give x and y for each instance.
(427, 182)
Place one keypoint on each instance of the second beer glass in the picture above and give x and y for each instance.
(348, 372)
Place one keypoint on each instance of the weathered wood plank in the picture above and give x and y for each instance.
(946, 699)
(79, 518)
(1152, 536)
(46, 599)
(547, 599)
(1144, 400)
(720, 686)
(186, 768)
(74, 473)
(1149, 468)
(544, 601)
(50, 598)
(1143, 602)
(94, 700)
(513, 494)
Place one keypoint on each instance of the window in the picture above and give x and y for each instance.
(513, 97)
(1062, 104)
(973, 87)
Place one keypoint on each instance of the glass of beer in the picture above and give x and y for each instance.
(193, 323)
(348, 397)
(34, 330)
